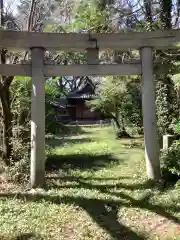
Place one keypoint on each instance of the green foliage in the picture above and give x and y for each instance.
(21, 105)
(89, 16)
(19, 171)
(170, 162)
(21, 101)
(51, 88)
(73, 57)
(111, 99)
(177, 127)
(20, 92)
(52, 92)
(134, 111)
(166, 104)
(119, 98)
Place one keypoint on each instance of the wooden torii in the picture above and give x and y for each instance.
(38, 69)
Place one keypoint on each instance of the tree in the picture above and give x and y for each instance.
(159, 15)
(112, 100)
(34, 23)
(134, 112)
(165, 88)
(119, 98)
(33, 14)
(91, 17)
(21, 100)
(5, 83)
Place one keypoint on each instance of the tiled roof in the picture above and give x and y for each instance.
(60, 102)
(86, 91)
(81, 96)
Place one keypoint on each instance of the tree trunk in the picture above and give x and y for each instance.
(165, 16)
(123, 125)
(7, 124)
(117, 123)
(121, 131)
(148, 12)
(115, 118)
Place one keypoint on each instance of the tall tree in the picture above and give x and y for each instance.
(33, 14)
(166, 94)
(35, 20)
(5, 101)
(165, 14)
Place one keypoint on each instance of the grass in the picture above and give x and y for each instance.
(96, 189)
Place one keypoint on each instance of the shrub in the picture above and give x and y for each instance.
(177, 128)
(19, 172)
(170, 162)
(166, 104)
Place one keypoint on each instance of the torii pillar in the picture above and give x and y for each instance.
(37, 173)
(152, 151)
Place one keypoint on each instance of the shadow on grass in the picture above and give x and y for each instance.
(71, 130)
(55, 142)
(105, 212)
(134, 144)
(79, 161)
(81, 182)
(140, 203)
(74, 178)
(28, 236)
(23, 236)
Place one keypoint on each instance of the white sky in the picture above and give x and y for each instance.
(10, 5)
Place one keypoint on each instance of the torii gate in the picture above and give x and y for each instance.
(38, 69)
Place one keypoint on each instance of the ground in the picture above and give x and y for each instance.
(96, 189)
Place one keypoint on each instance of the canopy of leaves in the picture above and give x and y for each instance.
(120, 98)
(110, 96)
(90, 17)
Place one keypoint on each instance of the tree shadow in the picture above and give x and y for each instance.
(23, 236)
(56, 181)
(142, 203)
(71, 130)
(133, 145)
(103, 212)
(59, 128)
(56, 142)
(28, 236)
(79, 161)
(74, 178)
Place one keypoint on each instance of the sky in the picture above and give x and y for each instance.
(10, 5)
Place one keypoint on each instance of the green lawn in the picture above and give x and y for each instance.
(96, 189)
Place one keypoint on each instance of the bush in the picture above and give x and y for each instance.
(122, 134)
(177, 128)
(170, 162)
(19, 172)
